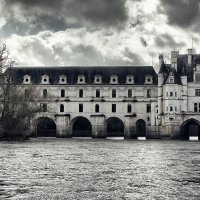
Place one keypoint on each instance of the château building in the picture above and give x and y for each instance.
(124, 101)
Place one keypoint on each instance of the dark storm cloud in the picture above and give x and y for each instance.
(166, 40)
(135, 59)
(183, 13)
(37, 15)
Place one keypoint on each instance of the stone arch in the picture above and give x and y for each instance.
(114, 127)
(45, 127)
(190, 127)
(141, 128)
(81, 127)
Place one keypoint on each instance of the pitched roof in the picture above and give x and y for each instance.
(183, 68)
(139, 73)
(177, 79)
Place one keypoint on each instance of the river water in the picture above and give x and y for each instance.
(50, 168)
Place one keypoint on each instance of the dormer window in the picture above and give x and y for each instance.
(81, 79)
(62, 79)
(171, 79)
(45, 79)
(97, 79)
(129, 79)
(27, 79)
(148, 79)
(114, 79)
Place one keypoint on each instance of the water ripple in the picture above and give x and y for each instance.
(99, 169)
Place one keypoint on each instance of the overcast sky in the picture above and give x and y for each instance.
(97, 32)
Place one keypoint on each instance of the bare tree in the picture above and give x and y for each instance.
(18, 107)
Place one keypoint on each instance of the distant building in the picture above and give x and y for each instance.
(117, 101)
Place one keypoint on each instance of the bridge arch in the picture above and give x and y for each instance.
(190, 127)
(81, 127)
(114, 127)
(45, 127)
(141, 128)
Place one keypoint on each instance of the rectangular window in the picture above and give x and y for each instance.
(195, 107)
(45, 93)
(113, 108)
(171, 108)
(62, 108)
(97, 93)
(62, 93)
(148, 108)
(197, 92)
(97, 108)
(80, 107)
(171, 80)
(130, 93)
(175, 108)
(114, 94)
(80, 93)
(26, 93)
(166, 94)
(166, 109)
(171, 94)
(44, 107)
(197, 78)
(148, 93)
(175, 94)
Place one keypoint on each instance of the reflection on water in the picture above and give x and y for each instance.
(141, 138)
(99, 169)
(193, 138)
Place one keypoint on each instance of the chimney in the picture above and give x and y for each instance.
(190, 51)
(174, 55)
(160, 59)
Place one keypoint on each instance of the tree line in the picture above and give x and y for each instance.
(17, 107)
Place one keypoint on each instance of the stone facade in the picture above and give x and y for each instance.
(129, 101)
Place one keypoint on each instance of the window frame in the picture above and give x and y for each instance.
(80, 94)
(44, 93)
(148, 108)
(97, 110)
(81, 108)
(114, 108)
(129, 108)
(197, 92)
(148, 93)
(98, 93)
(62, 93)
(130, 93)
(114, 93)
(62, 108)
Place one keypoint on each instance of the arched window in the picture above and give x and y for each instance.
(114, 79)
(129, 108)
(45, 79)
(98, 79)
(62, 79)
(81, 79)
(130, 79)
(96, 108)
(27, 79)
(148, 79)
(62, 108)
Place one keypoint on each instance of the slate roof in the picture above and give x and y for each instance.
(177, 78)
(139, 73)
(182, 68)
